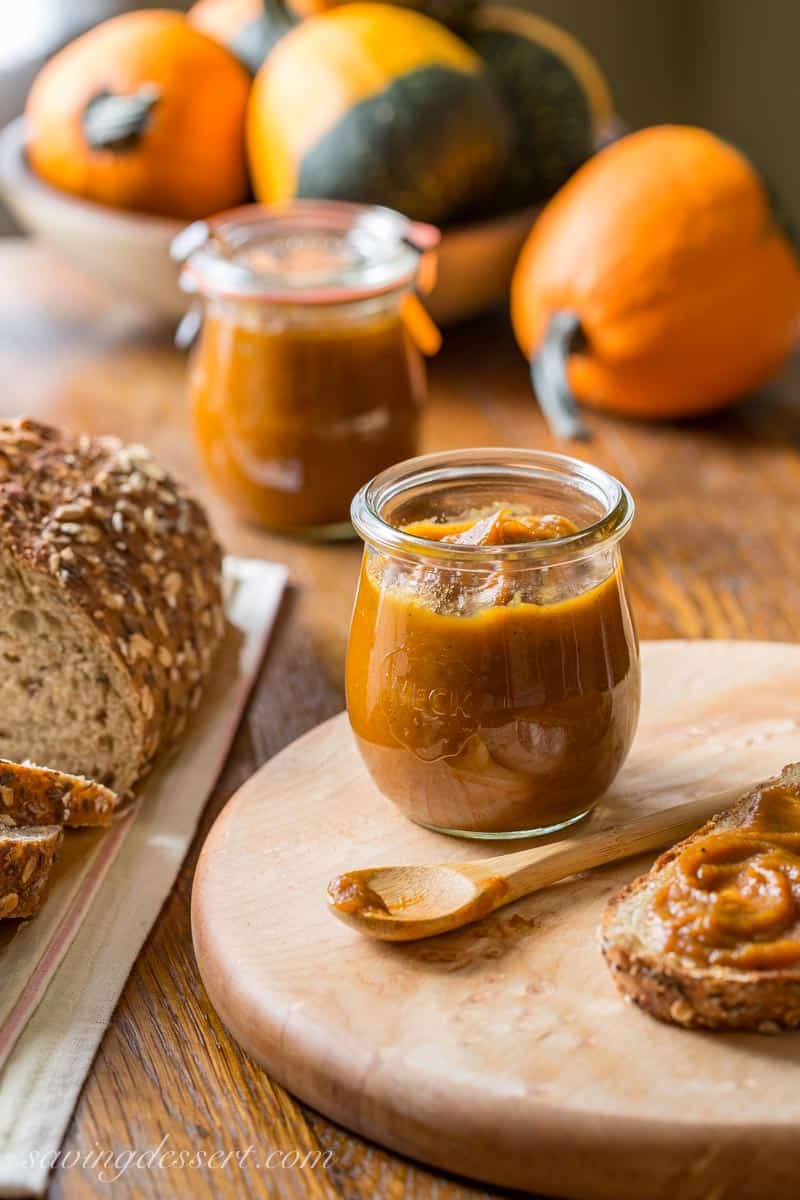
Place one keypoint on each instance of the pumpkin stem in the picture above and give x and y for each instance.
(551, 381)
(112, 122)
(255, 39)
(279, 10)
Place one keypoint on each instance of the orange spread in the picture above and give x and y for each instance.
(498, 700)
(501, 528)
(292, 421)
(351, 894)
(734, 899)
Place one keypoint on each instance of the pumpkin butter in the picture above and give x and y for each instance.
(734, 897)
(350, 894)
(307, 377)
(291, 422)
(494, 700)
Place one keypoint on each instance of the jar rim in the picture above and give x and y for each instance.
(266, 253)
(428, 469)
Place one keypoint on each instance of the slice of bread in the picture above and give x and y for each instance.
(676, 988)
(27, 857)
(110, 603)
(31, 795)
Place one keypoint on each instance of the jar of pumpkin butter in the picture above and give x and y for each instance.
(493, 668)
(307, 375)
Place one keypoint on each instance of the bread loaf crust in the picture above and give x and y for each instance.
(27, 857)
(132, 553)
(31, 795)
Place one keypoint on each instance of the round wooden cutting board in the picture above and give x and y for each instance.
(503, 1051)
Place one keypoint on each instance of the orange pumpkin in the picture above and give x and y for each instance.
(143, 112)
(657, 280)
(224, 20)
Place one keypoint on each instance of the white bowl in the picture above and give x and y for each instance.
(129, 251)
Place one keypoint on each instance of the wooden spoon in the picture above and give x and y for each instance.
(400, 904)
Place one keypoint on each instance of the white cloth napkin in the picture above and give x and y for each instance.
(61, 974)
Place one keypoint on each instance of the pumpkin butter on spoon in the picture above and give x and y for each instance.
(497, 697)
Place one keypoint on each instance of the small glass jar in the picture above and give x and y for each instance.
(493, 689)
(305, 380)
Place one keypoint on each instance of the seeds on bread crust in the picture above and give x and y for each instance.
(27, 857)
(132, 554)
(32, 795)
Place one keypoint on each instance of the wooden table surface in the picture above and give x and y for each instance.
(714, 552)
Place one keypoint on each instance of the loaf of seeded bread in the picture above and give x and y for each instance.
(31, 795)
(27, 857)
(110, 604)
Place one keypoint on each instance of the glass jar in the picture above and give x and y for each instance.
(492, 668)
(305, 380)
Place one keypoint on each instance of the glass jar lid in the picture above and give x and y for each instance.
(304, 252)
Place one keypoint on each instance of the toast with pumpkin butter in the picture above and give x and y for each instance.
(709, 938)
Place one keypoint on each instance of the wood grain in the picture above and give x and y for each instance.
(714, 552)
(504, 1047)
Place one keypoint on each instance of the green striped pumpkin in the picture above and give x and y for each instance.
(556, 96)
(379, 104)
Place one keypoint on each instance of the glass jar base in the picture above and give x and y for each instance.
(513, 835)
